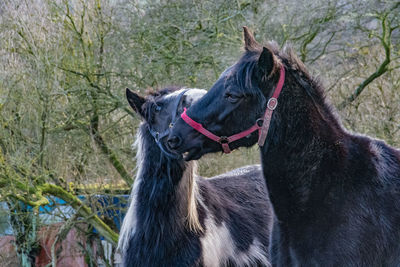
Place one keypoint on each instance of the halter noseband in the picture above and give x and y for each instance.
(158, 136)
(261, 124)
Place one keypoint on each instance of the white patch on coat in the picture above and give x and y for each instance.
(130, 221)
(256, 253)
(217, 244)
(218, 248)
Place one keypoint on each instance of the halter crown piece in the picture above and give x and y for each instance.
(261, 124)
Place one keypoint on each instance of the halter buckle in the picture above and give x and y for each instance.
(223, 140)
(171, 125)
(272, 103)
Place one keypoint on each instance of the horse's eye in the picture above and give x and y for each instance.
(156, 108)
(233, 98)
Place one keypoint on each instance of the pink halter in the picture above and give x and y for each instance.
(261, 124)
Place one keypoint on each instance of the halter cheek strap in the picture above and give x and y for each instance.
(271, 106)
(262, 124)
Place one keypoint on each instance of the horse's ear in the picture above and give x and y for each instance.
(266, 62)
(250, 42)
(135, 101)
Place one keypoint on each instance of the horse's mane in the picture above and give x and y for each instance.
(190, 175)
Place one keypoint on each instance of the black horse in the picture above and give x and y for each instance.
(336, 195)
(176, 218)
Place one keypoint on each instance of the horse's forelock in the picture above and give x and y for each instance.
(243, 70)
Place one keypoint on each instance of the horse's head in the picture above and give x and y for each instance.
(159, 110)
(233, 104)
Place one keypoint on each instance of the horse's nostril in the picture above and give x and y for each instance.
(174, 142)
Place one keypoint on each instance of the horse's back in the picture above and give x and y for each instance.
(245, 187)
(247, 180)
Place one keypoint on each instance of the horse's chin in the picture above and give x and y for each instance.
(197, 152)
(193, 154)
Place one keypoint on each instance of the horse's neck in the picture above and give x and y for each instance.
(165, 187)
(305, 142)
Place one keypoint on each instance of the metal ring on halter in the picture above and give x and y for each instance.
(224, 140)
(260, 122)
(272, 103)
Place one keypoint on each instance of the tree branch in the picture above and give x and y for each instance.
(385, 39)
(8, 177)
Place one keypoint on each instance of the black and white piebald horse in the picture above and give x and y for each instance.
(176, 218)
(336, 195)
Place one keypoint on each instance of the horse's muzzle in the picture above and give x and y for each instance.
(174, 142)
